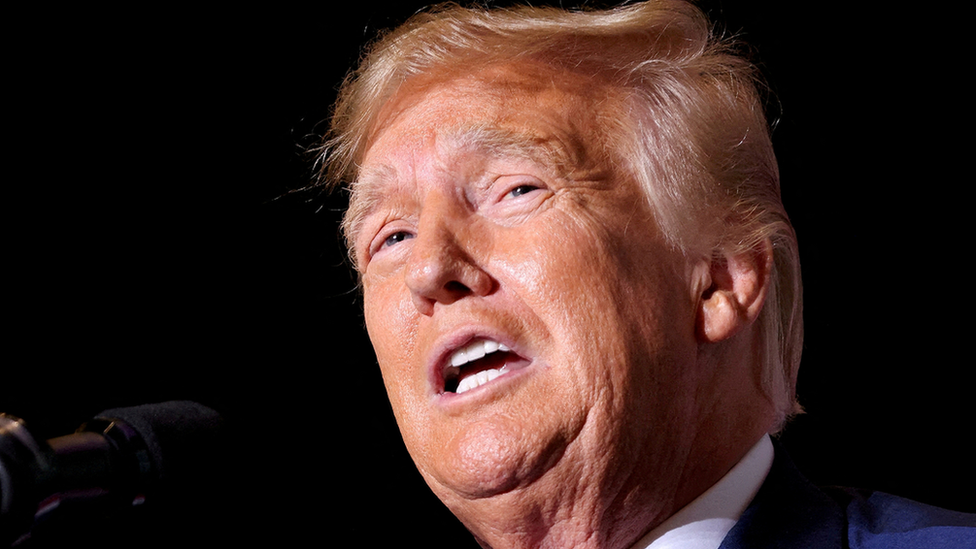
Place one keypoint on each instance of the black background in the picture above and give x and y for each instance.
(154, 252)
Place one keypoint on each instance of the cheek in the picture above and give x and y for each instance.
(389, 312)
(391, 326)
(546, 259)
(567, 275)
(568, 272)
(609, 294)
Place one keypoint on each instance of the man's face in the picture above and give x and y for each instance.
(496, 223)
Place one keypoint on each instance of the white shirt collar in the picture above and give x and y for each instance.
(703, 523)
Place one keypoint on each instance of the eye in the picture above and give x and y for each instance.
(396, 238)
(522, 190)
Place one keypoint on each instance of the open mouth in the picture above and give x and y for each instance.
(477, 363)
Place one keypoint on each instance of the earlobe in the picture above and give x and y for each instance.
(733, 299)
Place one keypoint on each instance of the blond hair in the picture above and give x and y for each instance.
(690, 128)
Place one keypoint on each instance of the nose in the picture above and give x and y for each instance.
(443, 268)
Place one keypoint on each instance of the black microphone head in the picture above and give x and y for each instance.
(178, 435)
(166, 459)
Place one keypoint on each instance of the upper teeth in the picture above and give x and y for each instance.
(475, 350)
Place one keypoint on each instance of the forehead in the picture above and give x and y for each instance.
(500, 108)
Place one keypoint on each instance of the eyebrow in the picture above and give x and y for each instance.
(501, 143)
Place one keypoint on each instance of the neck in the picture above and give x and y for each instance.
(614, 517)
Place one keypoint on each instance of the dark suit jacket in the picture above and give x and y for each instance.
(790, 512)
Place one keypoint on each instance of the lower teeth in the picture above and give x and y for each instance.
(479, 379)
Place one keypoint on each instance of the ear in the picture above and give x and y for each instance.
(733, 289)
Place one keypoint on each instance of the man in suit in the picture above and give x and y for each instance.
(581, 284)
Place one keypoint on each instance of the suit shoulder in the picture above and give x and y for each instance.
(877, 520)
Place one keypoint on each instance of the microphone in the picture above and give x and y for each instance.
(122, 457)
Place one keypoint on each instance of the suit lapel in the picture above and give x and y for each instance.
(787, 512)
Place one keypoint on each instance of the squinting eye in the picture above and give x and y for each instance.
(397, 238)
(522, 189)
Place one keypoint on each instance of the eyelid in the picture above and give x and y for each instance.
(510, 184)
(379, 241)
(528, 186)
(385, 243)
(383, 230)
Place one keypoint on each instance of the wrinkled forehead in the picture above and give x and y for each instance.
(476, 138)
(490, 105)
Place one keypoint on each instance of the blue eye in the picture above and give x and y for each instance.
(522, 189)
(397, 238)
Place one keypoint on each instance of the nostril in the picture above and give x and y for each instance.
(456, 287)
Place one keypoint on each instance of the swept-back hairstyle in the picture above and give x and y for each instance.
(688, 125)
